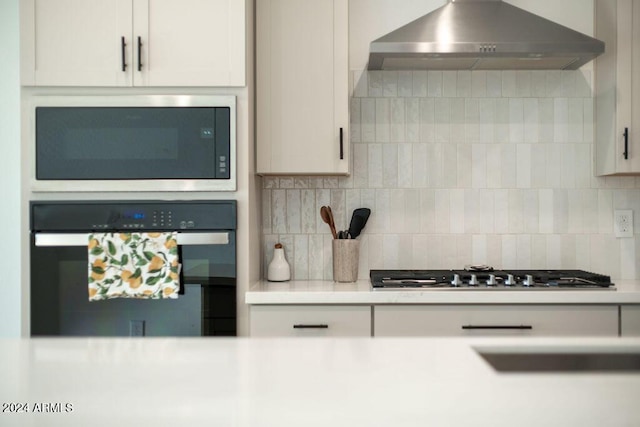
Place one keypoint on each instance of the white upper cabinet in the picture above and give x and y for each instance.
(618, 88)
(133, 42)
(302, 87)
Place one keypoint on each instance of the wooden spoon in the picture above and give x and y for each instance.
(327, 217)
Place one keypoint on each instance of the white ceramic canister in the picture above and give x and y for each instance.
(279, 270)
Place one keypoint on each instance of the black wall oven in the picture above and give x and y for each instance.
(116, 143)
(59, 269)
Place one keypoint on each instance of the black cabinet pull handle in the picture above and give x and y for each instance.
(626, 143)
(139, 53)
(123, 45)
(497, 327)
(303, 326)
(341, 145)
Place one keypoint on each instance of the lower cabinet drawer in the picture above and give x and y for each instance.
(309, 320)
(496, 320)
(630, 321)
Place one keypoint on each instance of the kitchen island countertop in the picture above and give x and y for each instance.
(328, 292)
(311, 382)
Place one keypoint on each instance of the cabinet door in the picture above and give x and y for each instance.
(76, 42)
(630, 321)
(190, 42)
(302, 87)
(495, 320)
(618, 87)
(309, 321)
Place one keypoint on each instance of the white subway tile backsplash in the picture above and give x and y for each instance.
(531, 120)
(450, 165)
(471, 120)
(538, 83)
(554, 84)
(368, 119)
(464, 166)
(412, 119)
(561, 120)
(568, 83)
(360, 83)
(479, 166)
(523, 251)
(294, 211)
(464, 88)
(461, 167)
(355, 128)
(434, 84)
(383, 120)
(457, 211)
(419, 84)
(405, 165)
(523, 168)
(478, 84)
(397, 120)
(501, 127)
(390, 165)
(301, 257)
(446, 112)
(479, 249)
(375, 84)
(375, 166)
(509, 84)
(516, 214)
(509, 251)
(449, 84)
(538, 251)
(389, 84)
(278, 211)
(523, 84)
(486, 120)
(494, 84)
(516, 120)
(427, 120)
(427, 211)
(405, 84)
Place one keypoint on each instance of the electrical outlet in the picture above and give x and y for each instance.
(623, 223)
(136, 328)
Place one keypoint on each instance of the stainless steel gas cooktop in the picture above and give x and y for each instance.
(486, 278)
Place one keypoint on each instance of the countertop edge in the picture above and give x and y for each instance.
(327, 292)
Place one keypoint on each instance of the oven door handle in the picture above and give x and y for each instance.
(80, 239)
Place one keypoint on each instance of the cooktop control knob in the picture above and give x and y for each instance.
(456, 280)
(492, 280)
(510, 280)
(474, 280)
(528, 281)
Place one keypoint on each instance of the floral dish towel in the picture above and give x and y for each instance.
(133, 265)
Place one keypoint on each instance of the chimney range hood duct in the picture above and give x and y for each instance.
(482, 35)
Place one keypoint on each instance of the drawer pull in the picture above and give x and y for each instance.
(497, 327)
(626, 143)
(319, 326)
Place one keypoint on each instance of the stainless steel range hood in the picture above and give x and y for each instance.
(482, 35)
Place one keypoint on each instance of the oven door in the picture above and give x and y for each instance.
(59, 291)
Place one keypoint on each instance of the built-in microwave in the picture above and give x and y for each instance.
(133, 143)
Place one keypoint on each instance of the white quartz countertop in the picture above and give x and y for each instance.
(327, 292)
(305, 382)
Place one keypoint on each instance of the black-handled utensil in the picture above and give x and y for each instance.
(358, 221)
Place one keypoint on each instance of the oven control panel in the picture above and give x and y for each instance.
(134, 215)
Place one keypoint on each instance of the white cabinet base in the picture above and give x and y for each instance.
(496, 320)
(309, 321)
(630, 320)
